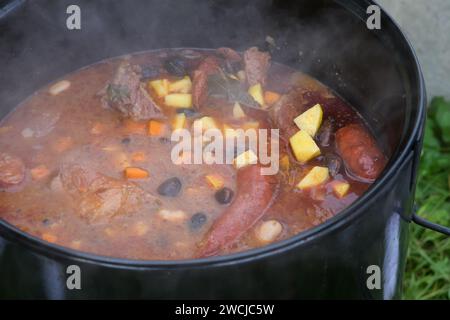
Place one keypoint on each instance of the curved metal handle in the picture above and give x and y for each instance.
(430, 225)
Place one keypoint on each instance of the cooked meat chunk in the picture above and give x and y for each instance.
(288, 108)
(229, 54)
(257, 65)
(208, 67)
(12, 170)
(128, 95)
(100, 197)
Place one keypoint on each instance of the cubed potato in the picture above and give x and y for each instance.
(207, 123)
(241, 75)
(229, 132)
(244, 159)
(314, 178)
(178, 100)
(341, 188)
(161, 87)
(256, 92)
(238, 113)
(181, 86)
(215, 181)
(310, 120)
(178, 121)
(304, 147)
(251, 125)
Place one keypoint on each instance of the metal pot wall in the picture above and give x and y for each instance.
(375, 70)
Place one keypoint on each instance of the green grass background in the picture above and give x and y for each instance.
(428, 265)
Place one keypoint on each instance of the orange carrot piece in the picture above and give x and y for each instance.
(39, 172)
(155, 128)
(62, 144)
(135, 127)
(97, 128)
(49, 237)
(271, 97)
(138, 156)
(136, 173)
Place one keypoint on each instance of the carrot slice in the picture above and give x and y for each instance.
(49, 237)
(271, 97)
(39, 172)
(138, 156)
(155, 128)
(135, 127)
(136, 173)
(62, 144)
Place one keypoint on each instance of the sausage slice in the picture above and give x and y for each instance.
(254, 195)
(360, 152)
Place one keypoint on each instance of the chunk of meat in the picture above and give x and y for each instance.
(257, 65)
(12, 170)
(362, 157)
(41, 123)
(128, 95)
(255, 193)
(229, 54)
(287, 109)
(100, 197)
(209, 66)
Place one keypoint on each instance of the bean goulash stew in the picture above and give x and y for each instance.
(86, 162)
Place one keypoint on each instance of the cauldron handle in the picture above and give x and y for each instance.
(429, 225)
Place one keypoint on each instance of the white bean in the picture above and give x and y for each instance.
(173, 215)
(268, 231)
(59, 87)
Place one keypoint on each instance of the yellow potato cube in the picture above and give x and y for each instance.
(244, 159)
(250, 125)
(229, 132)
(314, 178)
(179, 100)
(256, 92)
(310, 120)
(238, 113)
(304, 147)
(178, 121)
(182, 86)
(215, 181)
(341, 188)
(207, 123)
(161, 87)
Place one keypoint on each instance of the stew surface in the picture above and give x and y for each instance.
(87, 162)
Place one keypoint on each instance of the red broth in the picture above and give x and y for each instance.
(89, 177)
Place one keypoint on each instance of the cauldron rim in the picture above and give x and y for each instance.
(340, 221)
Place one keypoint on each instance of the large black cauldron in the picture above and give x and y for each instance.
(375, 70)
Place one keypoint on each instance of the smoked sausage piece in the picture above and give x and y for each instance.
(362, 157)
(254, 195)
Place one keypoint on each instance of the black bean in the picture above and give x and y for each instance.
(164, 140)
(189, 112)
(333, 163)
(149, 73)
(325, 132)
(224, 195)
(175, 66)
(197, 221)
(170, 188)
(46, 222)
(126, 140)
